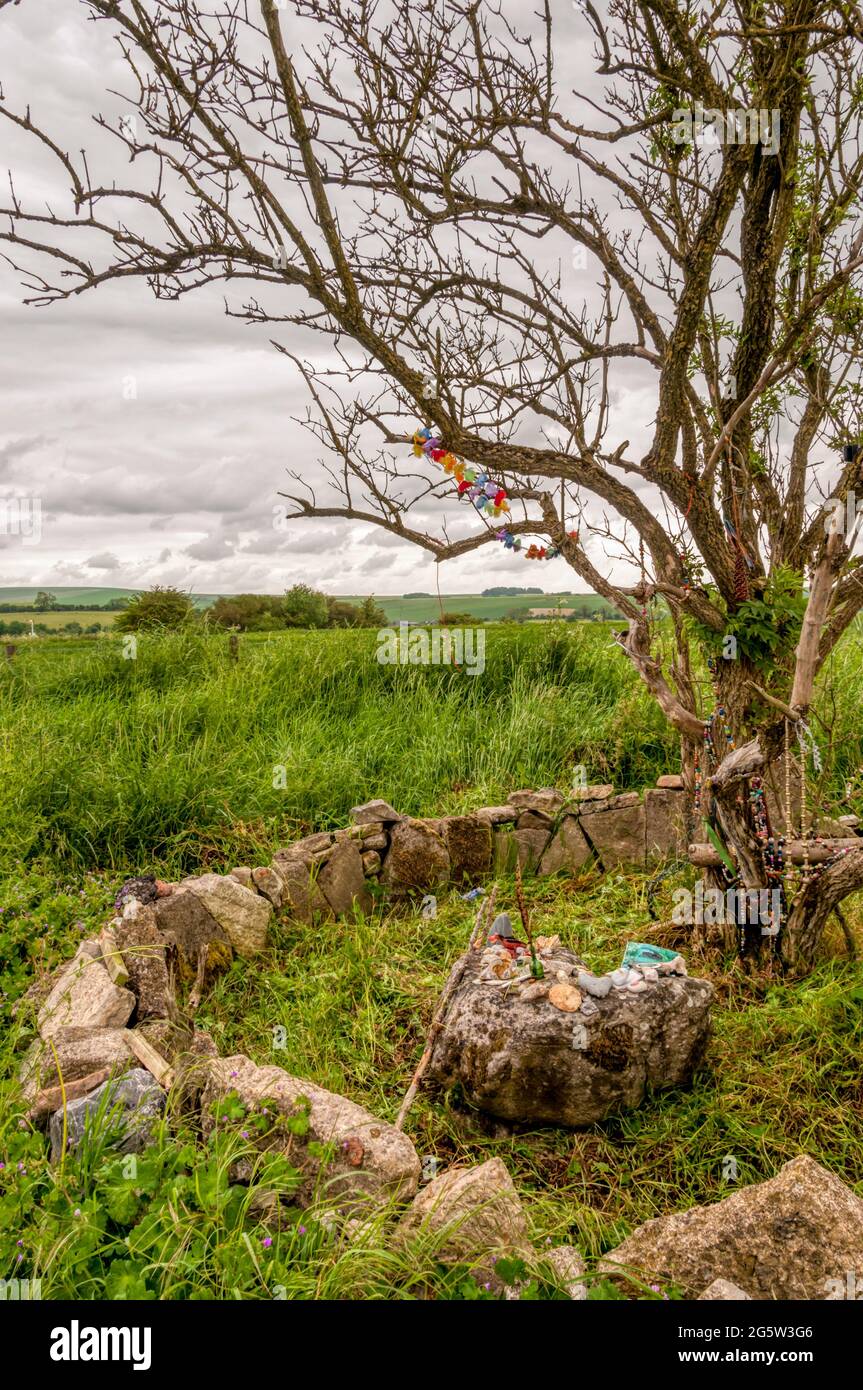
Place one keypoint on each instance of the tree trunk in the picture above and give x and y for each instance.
(810, 894)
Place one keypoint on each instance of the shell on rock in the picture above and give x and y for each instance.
(566, 998)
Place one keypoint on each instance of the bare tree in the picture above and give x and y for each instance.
(408, 181)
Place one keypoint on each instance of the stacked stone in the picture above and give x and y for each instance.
(543, 831)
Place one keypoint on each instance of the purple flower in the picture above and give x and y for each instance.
(244, 1133)
(267, 1242)
(19, 1243)
(302, 1230)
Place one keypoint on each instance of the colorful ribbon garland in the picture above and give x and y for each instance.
(485, 494)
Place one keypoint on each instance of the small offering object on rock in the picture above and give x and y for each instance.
(639, 954)
(565, 997)
(502, 934)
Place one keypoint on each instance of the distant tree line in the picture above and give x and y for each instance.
(21, 628)
(300, 607)
(508, 591)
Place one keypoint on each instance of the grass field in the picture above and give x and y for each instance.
(166, 764)
(172, 756)
(57, 620)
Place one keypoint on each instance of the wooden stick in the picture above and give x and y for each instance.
(52, 1097)
(796, 851)
(150, 1058)
(112, 958)
(198, 988)
(485, 910)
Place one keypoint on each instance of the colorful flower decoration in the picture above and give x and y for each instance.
(486, 495)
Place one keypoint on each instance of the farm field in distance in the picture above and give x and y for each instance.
(53, 619)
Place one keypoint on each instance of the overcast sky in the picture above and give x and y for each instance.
(157, 434)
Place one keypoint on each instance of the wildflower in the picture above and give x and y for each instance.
(267, 1242)
(19, 1243)
(77, 1211)
(244, 1133)
(302, 1230)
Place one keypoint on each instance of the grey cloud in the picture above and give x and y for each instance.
(210, 548)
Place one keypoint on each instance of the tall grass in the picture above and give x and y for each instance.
(183, 752)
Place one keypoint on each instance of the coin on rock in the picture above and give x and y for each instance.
(565, 997)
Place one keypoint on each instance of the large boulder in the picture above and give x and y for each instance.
(792, 1237)
(342, 881)
(124, 1110)
(370, 1158)
(475, 1213)
(266, 881)
(547, 801)
(468, 840)
(243, 916)
(301, 893)
(373, 812)
(665, 816)
(531, 844)
(85, 997)
(549, 1052)
(142, 947)
(617, 830)
(417, 860)
(567, 848)
(80, 1052)
(190, 929)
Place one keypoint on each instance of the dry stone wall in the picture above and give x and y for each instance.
(542, 831)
